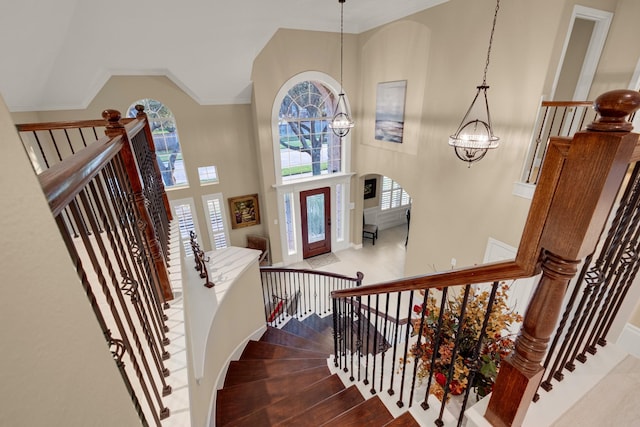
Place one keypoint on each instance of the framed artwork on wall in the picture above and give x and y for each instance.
(370, 188)
(390, 100)
(244, 211)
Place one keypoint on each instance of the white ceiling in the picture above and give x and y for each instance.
(58, 54)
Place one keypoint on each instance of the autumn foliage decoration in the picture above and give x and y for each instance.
(453, 345)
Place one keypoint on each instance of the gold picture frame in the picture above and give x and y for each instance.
(244, 211)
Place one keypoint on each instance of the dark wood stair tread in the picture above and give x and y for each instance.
(243, 371)
(286, 407)
(371, 412)
(284, 379)
(265, 350)
(373, 342)
(322, 325)
(239, 400)
(404, 420)
(327, 409)
(296, 327)
(280, 337)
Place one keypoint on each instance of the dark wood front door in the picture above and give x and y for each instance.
(315, 206)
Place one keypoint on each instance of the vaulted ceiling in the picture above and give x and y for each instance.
(58, 54)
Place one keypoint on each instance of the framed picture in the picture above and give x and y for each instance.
(390, 111)
(244, 211)
(370, 188)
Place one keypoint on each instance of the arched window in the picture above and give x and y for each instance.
(165, 138)
(307, 146)
(308, 156)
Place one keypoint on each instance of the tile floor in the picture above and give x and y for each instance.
(379, 263)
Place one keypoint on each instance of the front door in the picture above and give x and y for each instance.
(315, 206)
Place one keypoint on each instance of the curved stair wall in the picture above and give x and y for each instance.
(219, 321)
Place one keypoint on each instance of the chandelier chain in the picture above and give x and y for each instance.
(486, 67)
(341, 40)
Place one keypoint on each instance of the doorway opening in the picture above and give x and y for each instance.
(581, 52)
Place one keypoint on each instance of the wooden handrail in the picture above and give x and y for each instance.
(31, 127)
(64, 180)
(504, 270)
(133, 126)
(358, 278)
(567, 103)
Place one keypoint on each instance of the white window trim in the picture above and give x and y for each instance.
(634, 84)
(602, 21)
(330, 83)
(225, 218)
(194, 216)
(402, 191)
(298, 186)
(204, 184)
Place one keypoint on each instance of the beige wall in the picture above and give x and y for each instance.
(209, 135)
(442, 66)
(621, 51)
(56, 368)
(572, 63)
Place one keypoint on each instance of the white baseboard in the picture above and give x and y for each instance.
(629, 340)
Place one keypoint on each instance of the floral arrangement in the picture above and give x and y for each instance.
(496, 344)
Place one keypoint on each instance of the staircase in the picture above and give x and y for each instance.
(284, 380)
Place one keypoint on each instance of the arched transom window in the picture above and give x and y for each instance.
(307, 146)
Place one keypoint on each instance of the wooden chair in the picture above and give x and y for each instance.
(369, 231)
(262, 244)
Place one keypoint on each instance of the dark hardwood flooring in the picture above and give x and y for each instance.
(284, 380)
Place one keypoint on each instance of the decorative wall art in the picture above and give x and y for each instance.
(370, 188)
(244, 210)
(390, 97)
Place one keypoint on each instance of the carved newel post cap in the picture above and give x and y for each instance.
(613, 108)
(113, 120)
(111, 115)
(140, 109)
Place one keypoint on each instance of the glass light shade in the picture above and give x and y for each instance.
(341, 123)
(475, 135)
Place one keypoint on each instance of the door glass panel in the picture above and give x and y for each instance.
(315, 218)
(339, 212)
(290, 223)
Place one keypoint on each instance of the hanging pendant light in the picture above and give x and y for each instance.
(475, 134)
(342, 122)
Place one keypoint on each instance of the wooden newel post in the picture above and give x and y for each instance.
(591, 176)
(161, 275)
(152, 147)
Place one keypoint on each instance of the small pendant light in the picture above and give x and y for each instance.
(342, 122)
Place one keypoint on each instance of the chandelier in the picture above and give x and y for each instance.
(475, 134)
(342, 122)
